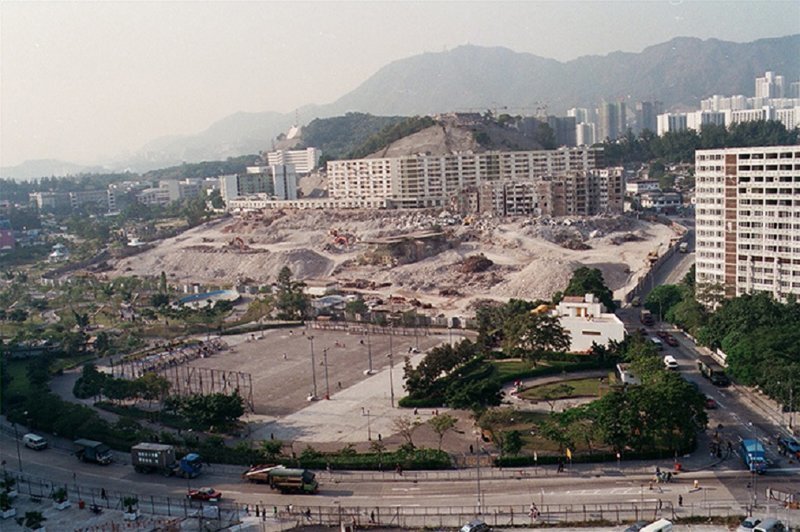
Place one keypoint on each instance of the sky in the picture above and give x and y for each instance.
(88, 81)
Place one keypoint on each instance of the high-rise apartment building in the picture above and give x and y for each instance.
(748, 219)
(419, 181)
(304, 161)
(770, 86)
(646, 113)
(612, 118)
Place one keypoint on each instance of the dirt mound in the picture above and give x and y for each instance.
(476, 264)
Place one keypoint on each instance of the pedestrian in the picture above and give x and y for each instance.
(275, 512)
(103, 494)
(258, 511)
(680, 500)
(658, 471)
(471, 449)
(372, 516)
(308, 514)
(660, 504)
(285, 357)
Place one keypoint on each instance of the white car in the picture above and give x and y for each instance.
(749, 524)
(670, 362)
(34, 441)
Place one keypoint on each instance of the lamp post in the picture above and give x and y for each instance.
(313, 369)
(391, 366)
(16, 439)
(327, 384)
(369, 354)
(369, 428)
(478, 456)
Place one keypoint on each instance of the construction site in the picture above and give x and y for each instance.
(445, 261)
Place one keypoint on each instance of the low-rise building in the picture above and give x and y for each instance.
(661, 201)
(587, 322)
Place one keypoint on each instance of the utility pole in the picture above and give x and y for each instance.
(478, 456)
(391, 365)
(369, 354)
(313, 369)
(327, 384)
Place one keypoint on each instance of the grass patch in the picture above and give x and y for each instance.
(580, 388)
(170, 420)
(503, 369)
(60, 364)
(18, 373)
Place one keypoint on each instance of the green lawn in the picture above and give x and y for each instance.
(580, 388)
(17, 370)
(505, 368)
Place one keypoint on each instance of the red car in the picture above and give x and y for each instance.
(710, 403)
(662, 334)
(205, 494)
(671, 340)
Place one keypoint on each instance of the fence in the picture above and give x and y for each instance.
(220, 514)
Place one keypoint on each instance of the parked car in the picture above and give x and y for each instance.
(475, 526)
(748, 524)
(636, 527)
(662, 334)
(205, 494)
(34, 441)
(790, 446)
(769, 525)
(711, 404)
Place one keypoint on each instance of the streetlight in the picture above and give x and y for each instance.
(391, 366)
(16, 439)
(369, 428)
(313, 369)
(327, 385)
(369, 353)
(478, 456)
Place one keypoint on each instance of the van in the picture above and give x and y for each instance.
(670, 362)
(662, 525)
(657, 343)
(34, 441)
(770, 525)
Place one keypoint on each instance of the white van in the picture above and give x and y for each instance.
(662, 525)
(34, 441)
(670, 362)
(770, 525)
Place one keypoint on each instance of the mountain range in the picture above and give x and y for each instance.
(678, 73)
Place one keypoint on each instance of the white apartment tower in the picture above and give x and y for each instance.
(770, 86)
(748, 219)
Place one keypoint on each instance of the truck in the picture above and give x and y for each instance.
(712, 371)
(646, 317)
(160, 458)
(683, 247)
(92, 451)
(754, 456)
(284, 479)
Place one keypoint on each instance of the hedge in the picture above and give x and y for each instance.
(584, 458)
(417, 459)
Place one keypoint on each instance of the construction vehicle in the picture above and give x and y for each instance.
(160, 458)
(283, 478)
(754, 456)
(712, 371)
(93, 451)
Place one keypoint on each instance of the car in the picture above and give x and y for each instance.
(662, 334)
(637, 526)
(636, 301)
(671, 340)
(204, 494)
(770, 525)
(711, 404)
(748, 524)
(789, 446)
(34, 441)
(475, 526)
(670, 362)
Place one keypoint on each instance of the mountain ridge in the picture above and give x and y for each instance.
(679, 72)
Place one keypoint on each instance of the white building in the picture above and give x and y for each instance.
(587, 322)
(697, 119)
(770, 86)
(169, 190)
(304, 161)
(660, 201)
(670, 123)
(640, 186)
(420, 181)
(748, 219)
(585, 134)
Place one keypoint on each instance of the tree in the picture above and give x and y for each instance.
(405, 427)
(152, 386)
(531, 335)
(356, 307)
(159, 300)
(554, 393)
(441, 424)
(271, 449)
(494, 421)
(662, 298)
(512, 443)
(590, 281)
(290, 300)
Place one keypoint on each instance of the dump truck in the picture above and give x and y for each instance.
(92, 451)
(712, 371)
(283, 479)
(754, 456)
(160, 458)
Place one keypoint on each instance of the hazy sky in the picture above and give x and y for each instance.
(84, 81)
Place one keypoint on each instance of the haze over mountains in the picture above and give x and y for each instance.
(679, 73)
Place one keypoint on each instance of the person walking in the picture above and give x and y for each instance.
(680, 500)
